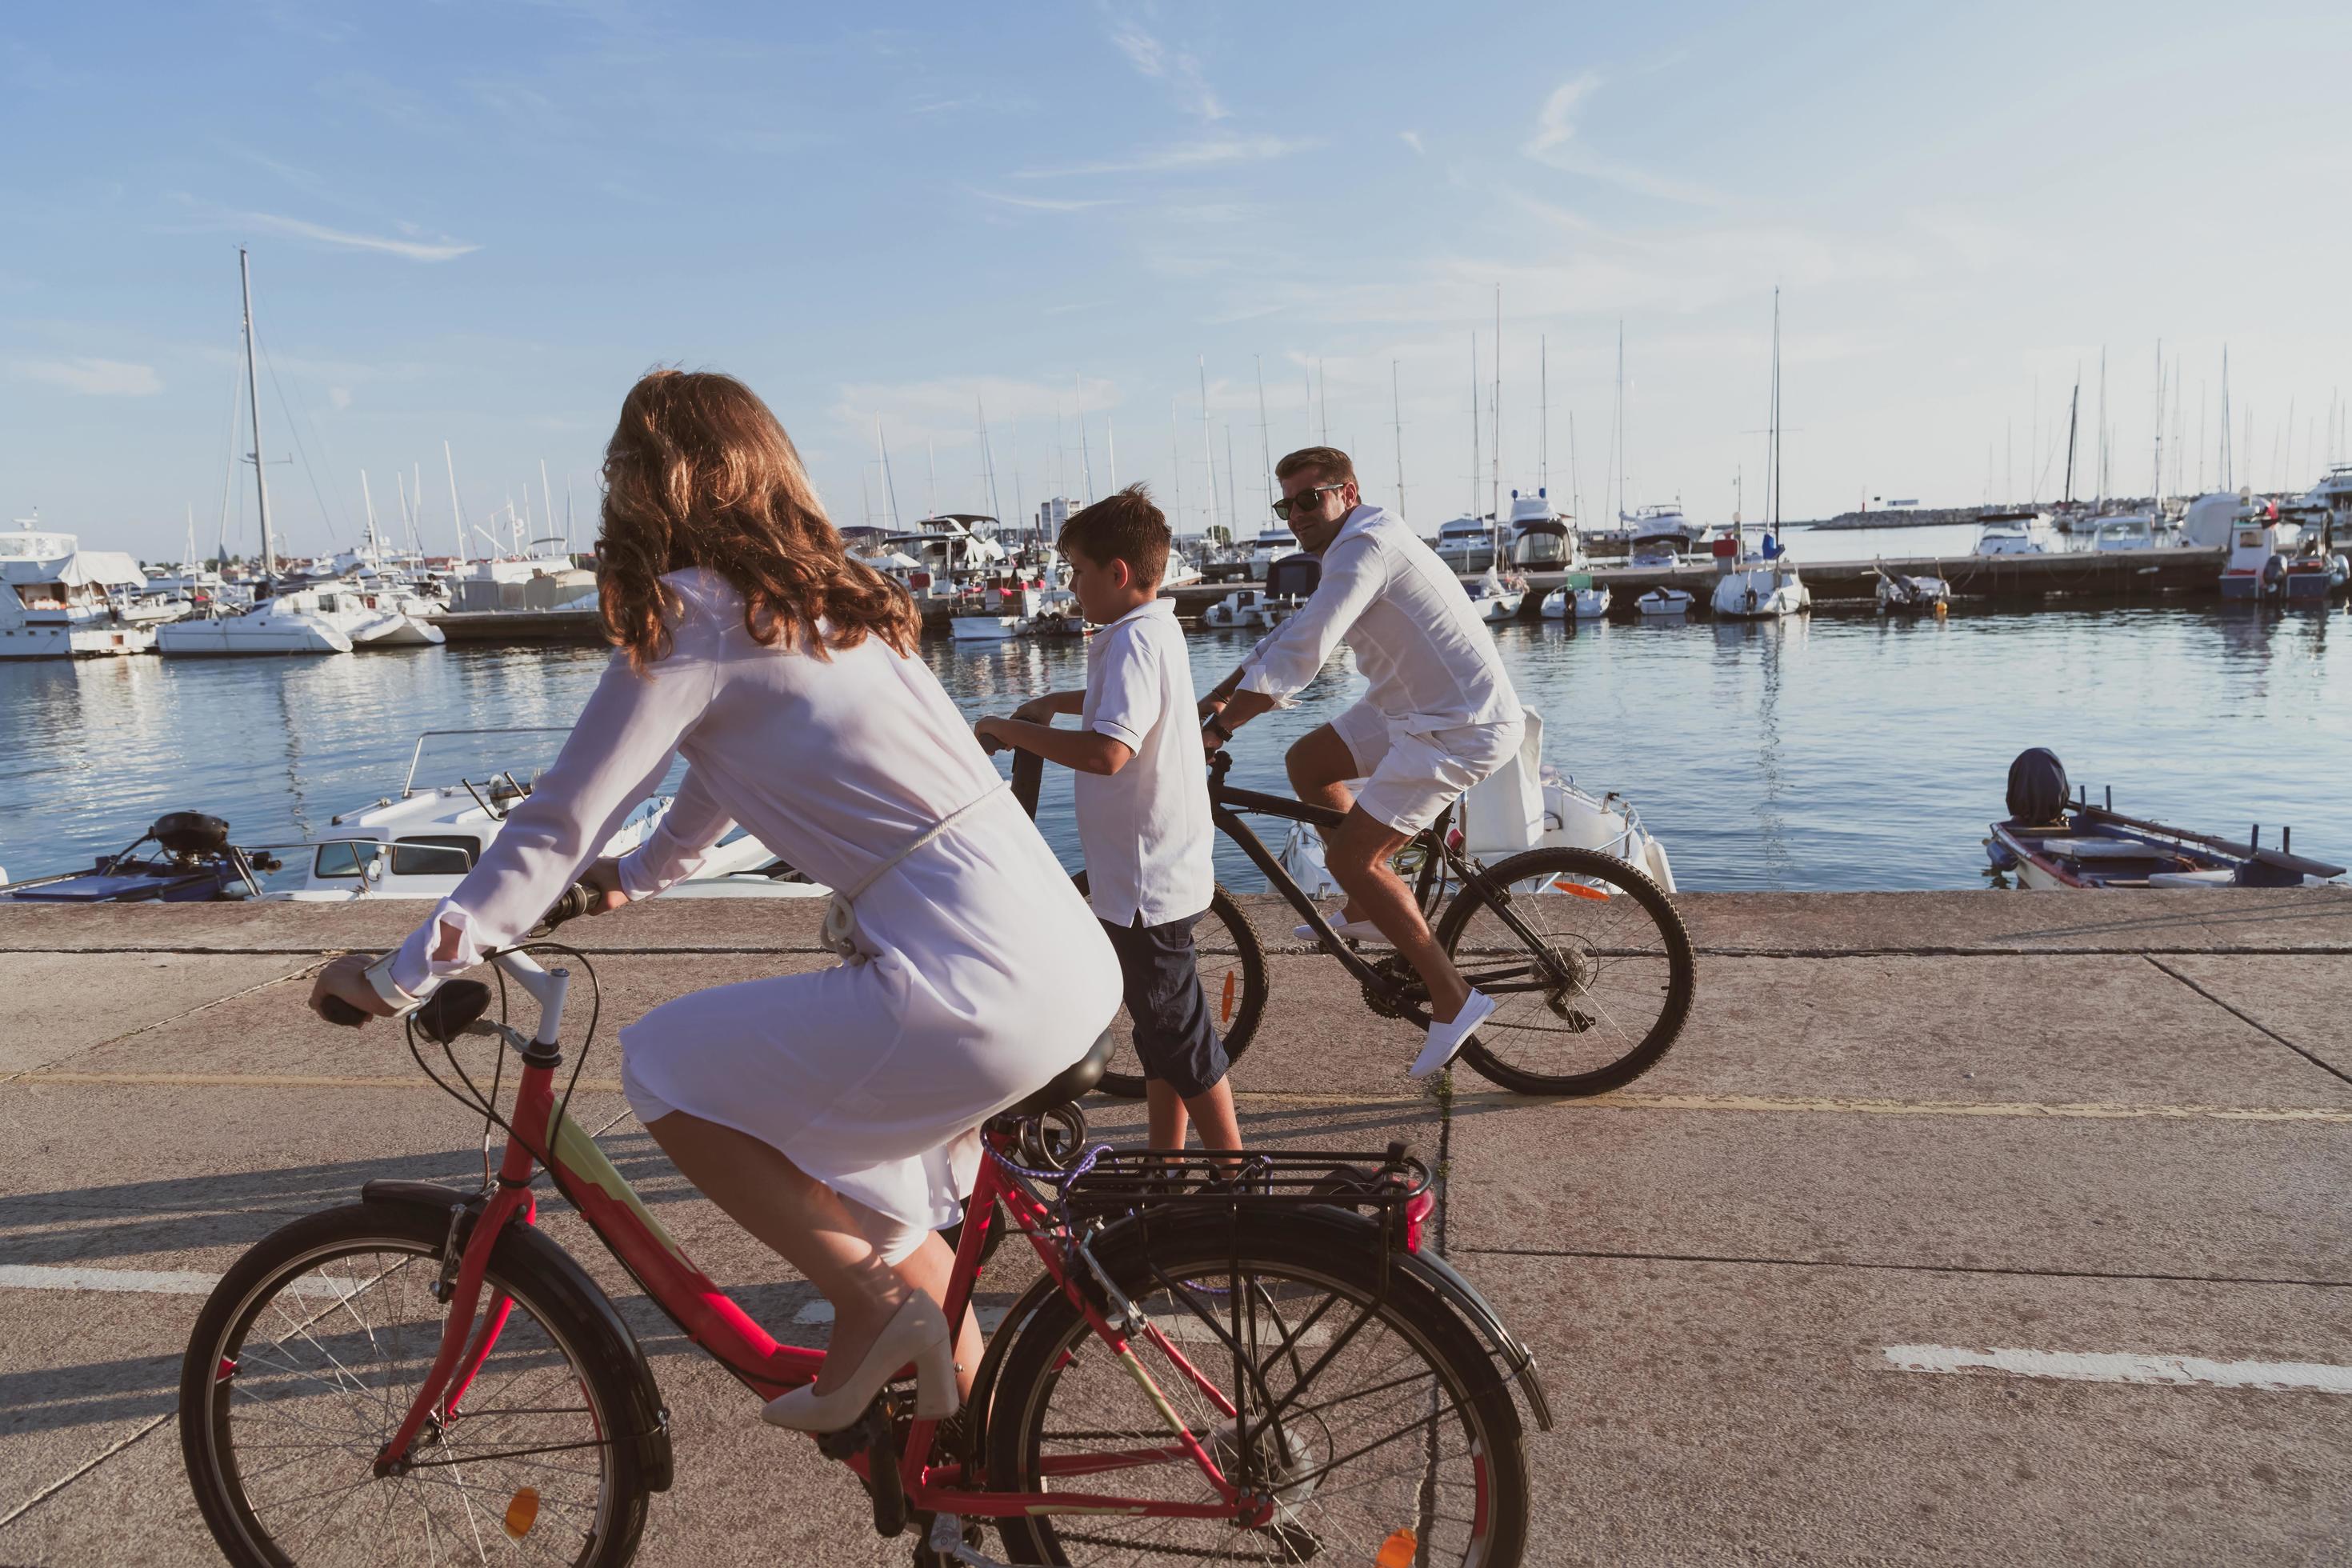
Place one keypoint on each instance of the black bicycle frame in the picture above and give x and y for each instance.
(1225, 804)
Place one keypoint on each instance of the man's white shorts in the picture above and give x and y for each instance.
(1414, 773)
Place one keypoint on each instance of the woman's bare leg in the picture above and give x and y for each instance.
(927, 1270)
(799, 1217)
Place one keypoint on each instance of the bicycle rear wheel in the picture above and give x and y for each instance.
(304, 1362)
(1232, 964)
(1373, 1416)
(1600, 995)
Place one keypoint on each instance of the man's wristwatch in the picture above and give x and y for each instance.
(1216, 724)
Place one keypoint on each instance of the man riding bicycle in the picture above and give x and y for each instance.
(1440, 714)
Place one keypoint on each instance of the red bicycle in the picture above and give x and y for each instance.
(1250, 1364)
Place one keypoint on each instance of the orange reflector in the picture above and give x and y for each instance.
(1396, 1550)
(1225, 1009)
(522, 1512)
(1562, 885)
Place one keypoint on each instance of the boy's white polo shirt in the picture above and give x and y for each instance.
(1145, 829)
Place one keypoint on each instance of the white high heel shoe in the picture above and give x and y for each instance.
(919, 1333)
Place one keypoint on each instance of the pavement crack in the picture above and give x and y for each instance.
(2012, 1270)
(85, 1468)
(145, 1029)
(2246, 1017)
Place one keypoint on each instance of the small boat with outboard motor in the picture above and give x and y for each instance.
(2053, 838)
(417, 844)
(1901, 593)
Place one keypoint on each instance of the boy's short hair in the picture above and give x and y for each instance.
(1123, 526)
(1325, 465)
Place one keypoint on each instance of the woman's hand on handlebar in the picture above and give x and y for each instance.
(603, 880)
(343, 989)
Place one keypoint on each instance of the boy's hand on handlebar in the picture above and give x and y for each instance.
(1037, 711)
(603, 879)
(988, 731)
(344, 981)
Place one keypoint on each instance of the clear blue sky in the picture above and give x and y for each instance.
(478, 222)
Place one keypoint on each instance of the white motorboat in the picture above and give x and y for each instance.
(420, 843)
(1273, 541)
(1543, 539)
(1664, 602)
(1760, 589)
(1576, 600)
(1497, 598)
(1525, 804)
(1467, 544)
(285, 624)
(1243, 610)
(58, 600)
(998, 613)
(1900, 594)
(2021, 532)
(2129, 532)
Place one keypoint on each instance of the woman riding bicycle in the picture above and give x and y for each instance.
(834, 1115)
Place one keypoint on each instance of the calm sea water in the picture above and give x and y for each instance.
(1845, 751)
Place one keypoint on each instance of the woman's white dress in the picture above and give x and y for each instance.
(981, 971)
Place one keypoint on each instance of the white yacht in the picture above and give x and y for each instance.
(2029, 531)
(1542, 538)
(1243, 610)
(420, 843)
(1467, 544)
(59, 601)
(1497, 598)
(1273, 541)
(1666, 523)
(946, 550)
(283, 623)
(2130, 532)
(1756, 587)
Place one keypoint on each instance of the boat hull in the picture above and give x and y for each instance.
(984, 628)
(277, 636)
(75, 642)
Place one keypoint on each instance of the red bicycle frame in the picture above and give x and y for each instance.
(711, 1320)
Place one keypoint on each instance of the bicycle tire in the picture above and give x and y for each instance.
(1324, 1246)
(222, 1339)
(1584, 866)
(1229, 933)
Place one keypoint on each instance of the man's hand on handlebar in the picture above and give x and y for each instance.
(343, 990)
(603, 880)
(1211, 706)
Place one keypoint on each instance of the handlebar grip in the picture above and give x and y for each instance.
(335, 1010)
(577, 900)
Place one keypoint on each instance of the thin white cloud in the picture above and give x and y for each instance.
(1217, 151)
(1179, 70)
(1413, 140)
(92, 377)
(443, 249)
(1556, 143)
(341, 396)
(1044, 204)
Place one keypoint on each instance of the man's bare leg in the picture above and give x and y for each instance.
(1357, 854)
(1321, 765)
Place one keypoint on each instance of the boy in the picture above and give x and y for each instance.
(1143, 806)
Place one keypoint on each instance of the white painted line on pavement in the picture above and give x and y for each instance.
(2083, 1366)
(815, 1314)
(151, 1281)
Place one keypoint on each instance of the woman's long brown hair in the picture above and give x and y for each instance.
(700, 473)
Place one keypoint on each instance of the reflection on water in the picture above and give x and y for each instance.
(1848, 750)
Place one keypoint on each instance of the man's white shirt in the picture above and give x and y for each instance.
(1430, 660)
(1145, 829)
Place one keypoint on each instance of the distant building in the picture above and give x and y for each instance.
(1051, 515)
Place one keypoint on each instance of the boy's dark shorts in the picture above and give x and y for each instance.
(1172, 1032)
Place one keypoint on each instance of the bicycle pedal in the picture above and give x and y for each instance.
(950, 1541)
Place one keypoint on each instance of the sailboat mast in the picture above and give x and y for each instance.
(1543, 424)
(1617, 459)
(1176, 463)
(547, 495)
(2074, 407)
(456, 512)
(2156, 492)
(1085, 451)
(1396, 423)
(2224, 458)
(1475, 449)
(988, 460)
(889, 485)
(1111, 448)
(1208, 444)
(1495, 509)
(253, 397)
(1265, 446)
(1772, 523)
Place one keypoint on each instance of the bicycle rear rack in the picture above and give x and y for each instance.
(1392, 1185)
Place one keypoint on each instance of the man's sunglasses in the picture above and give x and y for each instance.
(1303, 498)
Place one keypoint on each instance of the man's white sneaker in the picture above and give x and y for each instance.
(1358, 931)
(1446, 1040)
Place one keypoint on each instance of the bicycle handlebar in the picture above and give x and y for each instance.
(441, 1019)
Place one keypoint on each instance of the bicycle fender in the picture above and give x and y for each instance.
(1464, 1298)
(1519, 1364)
(530, 1250)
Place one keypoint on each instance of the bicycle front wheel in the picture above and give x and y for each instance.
(1366, 1409)
(1232, 965)
(304, 1362)
(1589, 965)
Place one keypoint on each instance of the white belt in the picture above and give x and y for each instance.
(840, 930)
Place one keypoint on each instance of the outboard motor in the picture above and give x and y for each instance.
(190, 835)
(2038, 790)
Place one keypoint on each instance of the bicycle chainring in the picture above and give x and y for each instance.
(1395, 975)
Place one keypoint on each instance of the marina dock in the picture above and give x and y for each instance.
(1969, 1225)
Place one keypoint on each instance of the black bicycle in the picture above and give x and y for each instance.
(1590, 967)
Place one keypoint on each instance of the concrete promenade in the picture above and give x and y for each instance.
(2098, 1132)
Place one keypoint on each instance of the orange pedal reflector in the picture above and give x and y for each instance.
(1396, 1550)
(1225, 1009)
(1562, 885)
(522, 1512)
